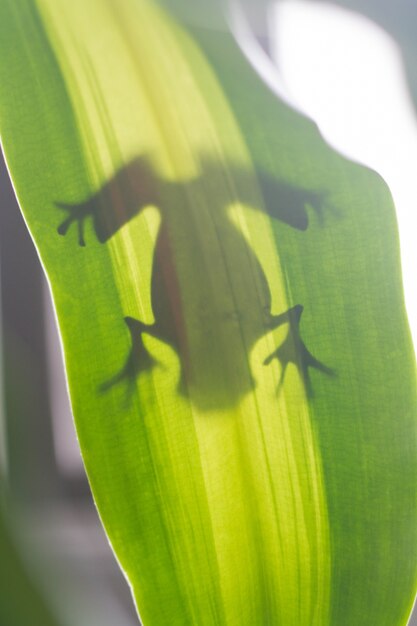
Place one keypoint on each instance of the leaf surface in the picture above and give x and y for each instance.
(229, 297)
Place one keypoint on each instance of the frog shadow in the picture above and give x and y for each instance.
(210, 297)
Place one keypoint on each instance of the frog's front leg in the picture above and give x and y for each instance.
(76, 213)
(293, 349)
(138, 360)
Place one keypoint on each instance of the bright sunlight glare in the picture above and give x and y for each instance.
(346, 73)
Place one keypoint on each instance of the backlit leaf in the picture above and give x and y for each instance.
(228, 292)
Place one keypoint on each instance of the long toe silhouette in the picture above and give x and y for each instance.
(293, 350)
(138, 360)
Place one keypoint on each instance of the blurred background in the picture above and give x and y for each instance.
(350, 66)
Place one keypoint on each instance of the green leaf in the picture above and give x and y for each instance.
(229, 296)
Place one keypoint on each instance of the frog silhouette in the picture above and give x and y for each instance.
(210, 297)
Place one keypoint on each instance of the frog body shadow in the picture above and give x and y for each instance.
(210, 297)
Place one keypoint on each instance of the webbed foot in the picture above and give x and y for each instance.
(293, 350)
(76, 213)
(138, 360)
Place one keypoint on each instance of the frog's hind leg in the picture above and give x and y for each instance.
(138, 360)
(293, 350)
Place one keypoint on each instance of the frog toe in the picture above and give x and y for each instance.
(138, 361)
(293, 350)
(76, 214)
